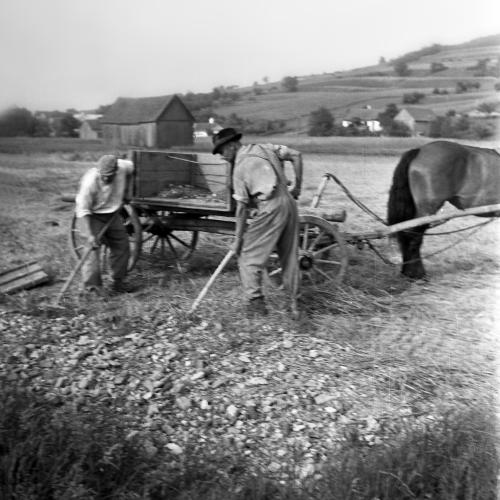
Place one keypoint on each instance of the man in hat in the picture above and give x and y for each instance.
(259, 182)
(101, 193)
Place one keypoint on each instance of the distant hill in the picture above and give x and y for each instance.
(437, 71)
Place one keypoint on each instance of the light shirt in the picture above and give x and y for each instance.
(95, 197)
(253, 176)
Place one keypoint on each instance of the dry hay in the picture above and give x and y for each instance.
(189, 192)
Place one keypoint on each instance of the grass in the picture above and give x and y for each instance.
(411, 365)
(53, 452)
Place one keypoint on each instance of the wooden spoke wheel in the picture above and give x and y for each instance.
(78, 240)
(159, 237)
(322, 252)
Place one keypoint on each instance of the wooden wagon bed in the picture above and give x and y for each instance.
(192, 182)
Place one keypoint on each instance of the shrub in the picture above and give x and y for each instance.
(401, 68)
(462, 87)
(413, 97)
(460, 127)
(437, 66)
(290, 83)
(488, 107)
(386, 118)
(16, 122)
(483, 130)
(398, 129)
(67, 126)
(438, 91)
(321, 122)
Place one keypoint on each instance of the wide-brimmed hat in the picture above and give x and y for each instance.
(223, 137)
(107, 164)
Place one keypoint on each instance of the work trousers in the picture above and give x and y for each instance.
(275, 227)
(116, 239)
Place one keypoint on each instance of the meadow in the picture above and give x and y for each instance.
(385, 388)
(343, 95)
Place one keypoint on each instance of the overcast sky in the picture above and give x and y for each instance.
(60, 54)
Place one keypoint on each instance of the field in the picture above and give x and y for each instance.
(341, 92)
(385, 388)
(343, 95)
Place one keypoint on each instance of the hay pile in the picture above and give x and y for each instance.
(190, 192)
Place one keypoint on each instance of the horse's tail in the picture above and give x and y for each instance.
(401, 206)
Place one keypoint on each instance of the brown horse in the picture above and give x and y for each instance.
(427, 177)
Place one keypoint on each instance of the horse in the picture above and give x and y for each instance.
(426, 177)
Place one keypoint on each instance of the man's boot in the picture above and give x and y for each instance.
(120, 286)
(256, 307)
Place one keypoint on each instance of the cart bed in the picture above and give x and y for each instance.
(186, 182)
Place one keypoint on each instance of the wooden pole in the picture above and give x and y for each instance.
(317, 196)
(494, 210)
(210, 282)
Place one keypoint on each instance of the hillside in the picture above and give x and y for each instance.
(429, 69)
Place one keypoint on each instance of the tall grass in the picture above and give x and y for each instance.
(49, 450)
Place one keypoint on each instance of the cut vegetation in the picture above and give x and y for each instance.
(385, 389)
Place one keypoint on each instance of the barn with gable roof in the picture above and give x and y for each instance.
(418, 120)
(150, 122)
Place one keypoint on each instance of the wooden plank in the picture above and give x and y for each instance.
(188, 205)
(18, 272)
(25, 283)
(20, 266)
(22, 277)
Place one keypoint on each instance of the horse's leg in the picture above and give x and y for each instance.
(409, 244)
(428, 200)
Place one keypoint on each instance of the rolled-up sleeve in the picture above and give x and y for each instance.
(84, 198)
(285, 153)
(240, 191)
(126, 165)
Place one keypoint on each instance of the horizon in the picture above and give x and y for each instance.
(58, 55)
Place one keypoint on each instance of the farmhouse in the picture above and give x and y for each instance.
(418, 120)
(363, 119)
(153, 122)
(205, 129)
(90, 130)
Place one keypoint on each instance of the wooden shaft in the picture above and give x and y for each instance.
(317, 197)
(210, 282)
(429, 219)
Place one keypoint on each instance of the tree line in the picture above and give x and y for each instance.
(18, 121)
(453, 125)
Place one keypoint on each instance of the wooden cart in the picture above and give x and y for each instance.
(176, 196)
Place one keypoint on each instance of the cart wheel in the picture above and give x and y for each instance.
(159, 238)
(131, 221)
(322, 252)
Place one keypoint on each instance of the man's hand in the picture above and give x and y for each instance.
(295, 192)
(237, 246)
(92, 242)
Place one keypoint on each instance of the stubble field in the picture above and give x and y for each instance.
(384, 387)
